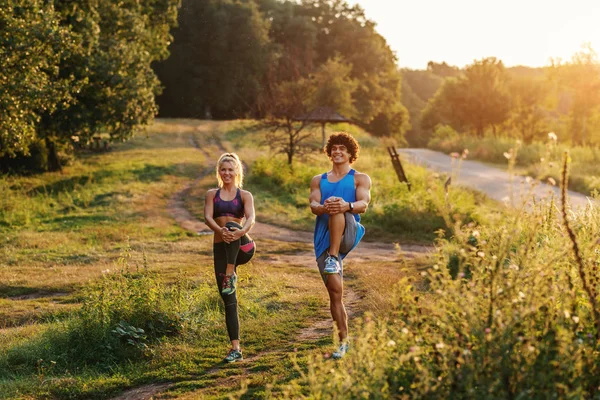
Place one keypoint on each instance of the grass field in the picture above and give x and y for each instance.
(91, 255)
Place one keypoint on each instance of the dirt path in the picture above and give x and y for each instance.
(363, 253)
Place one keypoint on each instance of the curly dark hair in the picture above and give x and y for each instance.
(347, 140)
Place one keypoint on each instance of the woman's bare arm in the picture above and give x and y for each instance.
(208, 212)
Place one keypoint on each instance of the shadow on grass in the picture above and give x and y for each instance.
(147, 173)
(28, 292)
(154, 142)
(78, 221)
(153, 173)
(106, 199)
(11, 291)
(69, 184)
(66, 259)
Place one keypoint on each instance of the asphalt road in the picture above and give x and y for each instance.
(494, 182)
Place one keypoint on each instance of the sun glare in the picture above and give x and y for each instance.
(518, 32)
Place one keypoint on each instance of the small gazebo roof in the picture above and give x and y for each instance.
(322, 115)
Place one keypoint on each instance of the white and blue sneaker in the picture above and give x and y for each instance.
(341, 351)
(332, 266)
(233, 356)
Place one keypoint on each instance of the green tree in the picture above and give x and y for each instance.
(32, 44)
(581, 78)
(313, 32)
(334, 87)
(76, 69)
(417, 88)
(488, 98)
(213, 72)
(528, 116)
(393, 121)
(293, 39)
(220, 54)
(448, 106)
(117, 43)
(344, 30)
(475, 101)
(424, 84)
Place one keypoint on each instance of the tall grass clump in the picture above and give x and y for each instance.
(508, 311)
(124, 314)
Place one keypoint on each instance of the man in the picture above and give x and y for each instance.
(336, 198)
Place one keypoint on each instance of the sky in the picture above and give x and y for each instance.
(519, 32)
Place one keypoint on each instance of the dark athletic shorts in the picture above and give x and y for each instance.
(348, 239)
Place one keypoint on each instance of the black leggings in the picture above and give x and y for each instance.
(224, 254)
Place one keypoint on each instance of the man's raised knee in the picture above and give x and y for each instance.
(337, 219)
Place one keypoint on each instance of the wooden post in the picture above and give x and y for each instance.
(398, 166)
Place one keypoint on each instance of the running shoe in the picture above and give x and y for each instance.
(229, 284)
(341, 351)
(332, 266)
(233, 356)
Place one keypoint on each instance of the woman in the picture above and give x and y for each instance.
(224, 210)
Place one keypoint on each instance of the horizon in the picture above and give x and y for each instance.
(539, 33)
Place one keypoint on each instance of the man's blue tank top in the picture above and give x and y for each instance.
(345, 189)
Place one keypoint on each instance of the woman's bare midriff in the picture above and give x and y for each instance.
(221, 221)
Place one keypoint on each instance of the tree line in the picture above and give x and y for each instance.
(280, 59)
(71, 70)
(526, 103)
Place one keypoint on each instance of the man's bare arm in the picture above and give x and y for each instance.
(363, 193)
(315, 196)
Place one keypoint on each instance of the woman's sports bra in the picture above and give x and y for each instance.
(231, 208)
